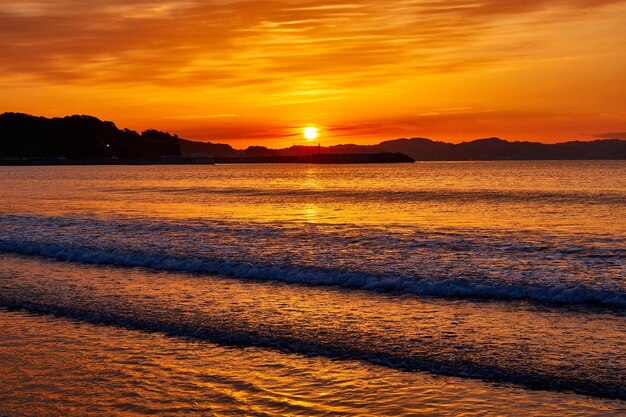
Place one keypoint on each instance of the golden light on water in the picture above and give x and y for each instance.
(310, 133)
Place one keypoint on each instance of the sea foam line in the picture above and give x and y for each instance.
(242, 338)
(451, 287)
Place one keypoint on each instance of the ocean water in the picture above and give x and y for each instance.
(470, 288)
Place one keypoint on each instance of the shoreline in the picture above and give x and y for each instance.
(376, 158)
(254, 160)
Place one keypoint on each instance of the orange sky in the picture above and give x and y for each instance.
(256, 72)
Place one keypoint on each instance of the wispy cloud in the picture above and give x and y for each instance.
(201, 117)
(231, 42)
(611, 135)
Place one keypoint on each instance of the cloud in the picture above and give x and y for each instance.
(265, 44)
(611, 135)
(201, 117)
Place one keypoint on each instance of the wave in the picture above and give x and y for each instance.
(242, 338)
(440, 287)
(521, 196)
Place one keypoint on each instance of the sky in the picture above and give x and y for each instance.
(259, 72)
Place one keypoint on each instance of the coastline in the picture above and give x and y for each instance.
(377, 158)
(332, 159)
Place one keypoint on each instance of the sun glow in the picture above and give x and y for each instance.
(310, 133)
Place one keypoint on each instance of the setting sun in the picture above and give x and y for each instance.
(310, 133)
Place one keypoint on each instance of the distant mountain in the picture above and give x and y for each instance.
(422, 149)
(425, 149)
(202, 149)
(498, 149)
(79, 137)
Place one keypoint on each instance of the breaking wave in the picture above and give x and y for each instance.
(450, 287)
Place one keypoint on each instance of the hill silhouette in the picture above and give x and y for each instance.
(79, 137)
(498, 149)
(422, 149)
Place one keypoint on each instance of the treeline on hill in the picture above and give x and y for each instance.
(79, 137)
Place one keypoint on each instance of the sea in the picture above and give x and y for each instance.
(425, 289)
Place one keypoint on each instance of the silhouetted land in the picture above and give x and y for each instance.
(86, 140)
(422, 149)
(78, 138)
(72, 140)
